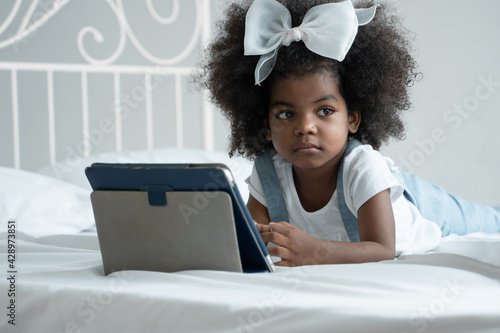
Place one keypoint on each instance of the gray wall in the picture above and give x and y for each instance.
(452, 132)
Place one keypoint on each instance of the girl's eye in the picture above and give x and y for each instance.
(325, 112)
(284, 115)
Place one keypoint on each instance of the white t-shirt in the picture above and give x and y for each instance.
(366, 173)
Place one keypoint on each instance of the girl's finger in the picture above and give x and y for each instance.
(283, 224)
(263, 228)
(284, 263)
(280, 228)
(276, 238)
(279, 251)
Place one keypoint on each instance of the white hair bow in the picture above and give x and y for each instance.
(327, 30)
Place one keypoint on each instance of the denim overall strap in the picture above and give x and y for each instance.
(272, 189)
(349, 219)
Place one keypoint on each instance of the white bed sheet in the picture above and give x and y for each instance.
(61, 288)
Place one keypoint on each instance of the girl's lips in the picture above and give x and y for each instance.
(306, 147)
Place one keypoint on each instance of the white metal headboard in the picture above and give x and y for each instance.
(153, 73)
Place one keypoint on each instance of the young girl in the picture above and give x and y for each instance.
(312, 89)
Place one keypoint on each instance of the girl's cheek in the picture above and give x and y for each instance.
(278, 125)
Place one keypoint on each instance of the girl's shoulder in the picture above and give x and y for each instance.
(363, 153)
(366, 173)
(364, 159)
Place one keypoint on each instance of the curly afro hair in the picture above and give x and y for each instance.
(374, 78)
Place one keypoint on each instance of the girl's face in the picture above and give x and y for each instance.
(308, 120)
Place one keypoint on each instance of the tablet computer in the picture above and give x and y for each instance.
(172, 217)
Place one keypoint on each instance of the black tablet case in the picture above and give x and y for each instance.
(161, 181)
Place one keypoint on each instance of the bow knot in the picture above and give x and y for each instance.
(295, 35)
(328, 30)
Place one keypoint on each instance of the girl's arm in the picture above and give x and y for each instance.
(258, 211)
(376, 228)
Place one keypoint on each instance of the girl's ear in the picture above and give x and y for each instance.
(354, 121)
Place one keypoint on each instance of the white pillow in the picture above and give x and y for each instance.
(42, 205)
(73, 169)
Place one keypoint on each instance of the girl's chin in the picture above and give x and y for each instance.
(308, 163)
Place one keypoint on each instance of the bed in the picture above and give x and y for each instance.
(59, 285)
(52, 276)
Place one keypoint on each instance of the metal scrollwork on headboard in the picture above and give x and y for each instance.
(126, 32)
(25, 29)
(145, 41)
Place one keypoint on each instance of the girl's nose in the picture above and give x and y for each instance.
(305, 125)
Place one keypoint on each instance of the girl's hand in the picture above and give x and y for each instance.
(295, 247)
